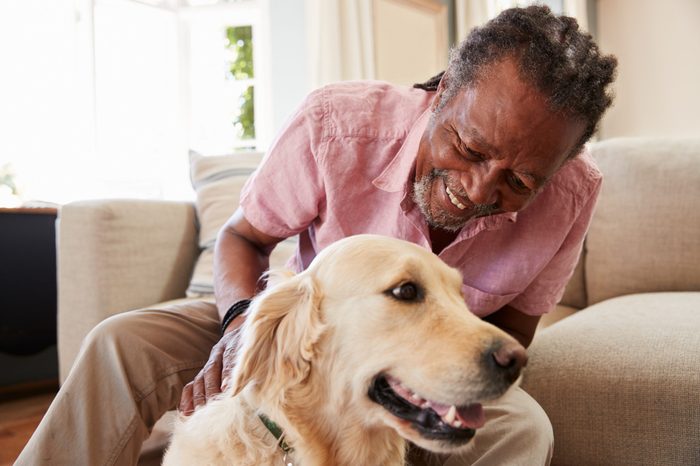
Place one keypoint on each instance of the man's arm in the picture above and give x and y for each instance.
(241, 255)
(519, 325)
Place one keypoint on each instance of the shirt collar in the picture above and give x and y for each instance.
(398, 174)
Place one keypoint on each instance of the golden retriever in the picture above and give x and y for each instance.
(369, 347)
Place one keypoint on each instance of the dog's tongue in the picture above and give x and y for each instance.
(471, 416)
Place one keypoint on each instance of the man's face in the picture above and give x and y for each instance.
(490, 149)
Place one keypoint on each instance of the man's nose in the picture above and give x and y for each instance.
(481, 185)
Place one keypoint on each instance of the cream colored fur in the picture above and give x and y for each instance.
(313, 343)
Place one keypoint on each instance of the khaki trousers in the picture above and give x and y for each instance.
(131, 370)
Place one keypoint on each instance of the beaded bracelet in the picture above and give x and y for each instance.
(236, 309)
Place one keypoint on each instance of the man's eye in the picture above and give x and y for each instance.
(518, 185)
(406, 292)
(474, 154)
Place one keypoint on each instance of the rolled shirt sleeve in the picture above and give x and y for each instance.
(286, 192)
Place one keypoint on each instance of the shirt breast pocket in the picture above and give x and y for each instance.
(482, 303)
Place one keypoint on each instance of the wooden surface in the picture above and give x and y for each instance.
(18, 419)
(29, 210)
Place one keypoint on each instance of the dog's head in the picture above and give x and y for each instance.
(378, 326)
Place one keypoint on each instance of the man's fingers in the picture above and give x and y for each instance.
(228, 362)
(207, 383)
(199, 397)
(212, 379)
(225, 383)
(186, 406)
(226, 376)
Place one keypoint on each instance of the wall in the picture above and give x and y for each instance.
(658, 48)
(411, 40)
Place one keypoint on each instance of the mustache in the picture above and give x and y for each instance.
(481, 210)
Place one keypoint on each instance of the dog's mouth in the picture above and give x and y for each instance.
(432, 420)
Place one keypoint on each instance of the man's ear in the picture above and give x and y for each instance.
(442, 85)
(279, 336)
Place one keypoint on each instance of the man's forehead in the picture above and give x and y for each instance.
(505, 115)
(474, 135)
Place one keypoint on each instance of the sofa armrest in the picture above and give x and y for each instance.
(118, 255)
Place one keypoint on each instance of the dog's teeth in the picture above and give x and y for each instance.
(451, 413)
(457, 423)
(415, 397)
(425, 405)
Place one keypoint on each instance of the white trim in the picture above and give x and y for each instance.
(263, 71)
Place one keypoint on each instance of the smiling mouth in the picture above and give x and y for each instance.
(480, 210)
(431, 419)
(454, 200)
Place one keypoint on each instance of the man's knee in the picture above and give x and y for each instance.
(152, 343)
(542, 431)
(114, 334)
(196, 320)
(534, 429)
(517, 432)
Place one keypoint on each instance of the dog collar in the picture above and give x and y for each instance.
(277, 432)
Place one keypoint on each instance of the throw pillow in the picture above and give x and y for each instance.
(217, 181)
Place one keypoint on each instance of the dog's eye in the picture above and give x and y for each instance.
(406, 292)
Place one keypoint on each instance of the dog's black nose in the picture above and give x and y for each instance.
(509, 359)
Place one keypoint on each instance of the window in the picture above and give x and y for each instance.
(228, 111)
(173, 76)
(241, 76)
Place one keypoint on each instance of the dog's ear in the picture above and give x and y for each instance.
(279, 335)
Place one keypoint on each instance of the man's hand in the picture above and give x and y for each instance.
(214, 376)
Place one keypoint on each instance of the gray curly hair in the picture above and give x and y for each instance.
(561, 61)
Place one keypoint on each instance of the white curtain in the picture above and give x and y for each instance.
(471, 13)
(579, 10)
(340, 40)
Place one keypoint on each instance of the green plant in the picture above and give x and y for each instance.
(240, 40)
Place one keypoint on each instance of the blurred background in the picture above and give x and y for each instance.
(104, 98)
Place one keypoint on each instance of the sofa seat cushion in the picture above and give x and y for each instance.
(620, 381)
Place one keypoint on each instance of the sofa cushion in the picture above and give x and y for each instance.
(217, 181)
(575, 291)
(560, 312)
(644, 234)
(619, 381)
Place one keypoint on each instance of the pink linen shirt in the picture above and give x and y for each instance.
(344, 165)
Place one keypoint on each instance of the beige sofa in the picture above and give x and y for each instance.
(619, 374)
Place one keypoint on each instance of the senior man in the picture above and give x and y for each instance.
(483, 164)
